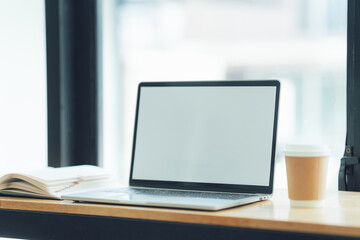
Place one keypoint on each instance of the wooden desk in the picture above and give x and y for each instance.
(274, 219)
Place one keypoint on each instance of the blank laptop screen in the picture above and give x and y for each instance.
(205, 134)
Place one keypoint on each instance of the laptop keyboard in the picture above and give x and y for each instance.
(172, 193)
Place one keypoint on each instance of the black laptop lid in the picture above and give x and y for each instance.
(216, 136)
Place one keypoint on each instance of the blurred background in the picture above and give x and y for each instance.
(23, 113)
(301, 43)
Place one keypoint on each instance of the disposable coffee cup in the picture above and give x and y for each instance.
(306, 170)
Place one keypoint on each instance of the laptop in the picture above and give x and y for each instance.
(199, 145)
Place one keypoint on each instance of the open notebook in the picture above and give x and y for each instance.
(200, 145)
(53, 182)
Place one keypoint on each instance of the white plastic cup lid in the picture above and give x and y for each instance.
(306, 150)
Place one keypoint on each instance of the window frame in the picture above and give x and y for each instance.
(349, 173)
(73, 82)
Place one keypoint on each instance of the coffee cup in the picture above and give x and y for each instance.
(306, 168)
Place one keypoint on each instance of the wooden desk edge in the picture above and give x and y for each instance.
(172, 215)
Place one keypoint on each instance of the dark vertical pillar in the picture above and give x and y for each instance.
(349, 174)
(72, 75)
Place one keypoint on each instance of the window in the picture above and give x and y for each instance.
(23, 121)
(301, 42)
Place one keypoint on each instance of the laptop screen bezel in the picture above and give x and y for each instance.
(209, 186)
